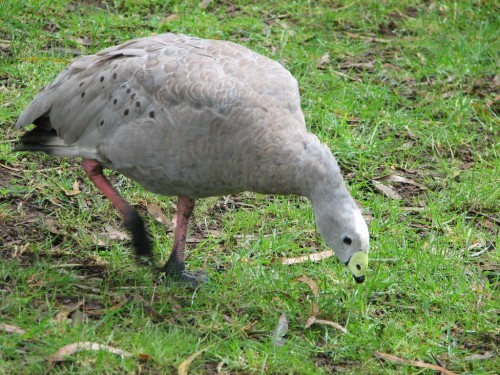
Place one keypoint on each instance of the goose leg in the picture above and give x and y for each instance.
(175, 266)
(131, 218)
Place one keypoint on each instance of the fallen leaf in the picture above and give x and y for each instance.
(71, 349)
(98, 242)
(51, 27)
(489, 217)
(313, 320)
(11, 329)
(393, 358)
(413, 209)
(315, 308)
(87, 287)
(146, 306)
(358, 66)
(184, 366)
(71, 314)
(407, 145)
(5, 45)
(401, 179)
(310, 321)
(409, 134)
(111, 233)
(85, 42)
(93, 309)
(52, 226)
(393, 67)
(171, 17)
(205, 3)
(156, 211)
(214, 232)
(75, 190)
(332, 324)
(116, 234)
(312, 284)
(366, 38)
(219, 368)
(323, 61)
(356, 79)
(174, 304)
(466, 166)
(422, 58)
(448, 94)
(145, 357)
(280, 331)
(18, 250)
(314, 288)
(315, 257)
(479, 357)
(386, 190)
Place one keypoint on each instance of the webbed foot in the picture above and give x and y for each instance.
(192, 279)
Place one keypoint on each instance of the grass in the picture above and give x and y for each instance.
(408, 89)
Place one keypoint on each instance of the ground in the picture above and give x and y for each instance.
(406, 94)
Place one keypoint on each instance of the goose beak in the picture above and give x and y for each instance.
(357, 265)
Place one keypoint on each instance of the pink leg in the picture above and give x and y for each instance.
(175, 263)
(175, 266)
(185, 208)
(131, 219)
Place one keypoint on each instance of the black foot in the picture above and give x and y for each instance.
(140, 240)
(176, 271)
(192, 279)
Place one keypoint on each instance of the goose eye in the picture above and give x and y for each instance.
(347, 240)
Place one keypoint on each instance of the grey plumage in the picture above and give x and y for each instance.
(192, 117)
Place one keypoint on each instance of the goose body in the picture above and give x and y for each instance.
(193, 118)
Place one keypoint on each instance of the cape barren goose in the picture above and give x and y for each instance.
(193, 118)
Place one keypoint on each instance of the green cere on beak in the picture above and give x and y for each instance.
(357, 265)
